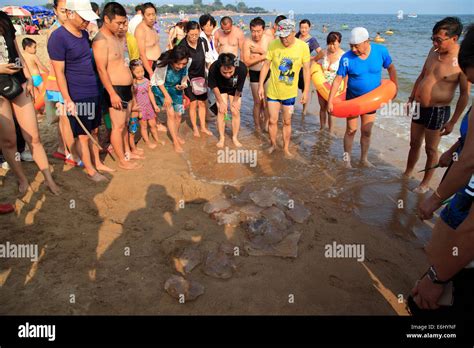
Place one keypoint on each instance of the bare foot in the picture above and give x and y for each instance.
(180, 140)
(139, 150)
(407, 176)
(271, 149)
(347, 164)
(288, 154)
(23, 187)
(161, 128)
(236, 142)
(103, 168)
(206, 131)
(151, 145)
(220, 143)
(129, 165)
(178, 148)
(366, 164)
(421, 189)
(196, 133)
(96, 177)
(135, 156)
(53, 187)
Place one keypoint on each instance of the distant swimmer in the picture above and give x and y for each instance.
(433, 93)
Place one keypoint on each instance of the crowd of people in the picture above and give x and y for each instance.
(109, 68)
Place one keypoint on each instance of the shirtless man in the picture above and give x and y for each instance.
(116, 77)
(254, 53)
(148, 39)
(229, 38)
(433, 93)
(270, 32)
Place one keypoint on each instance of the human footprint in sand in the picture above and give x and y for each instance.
(145, 104)
(168, 82)
(226, 79)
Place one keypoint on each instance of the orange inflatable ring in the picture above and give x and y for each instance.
(322, 86)
(365, 103)
(39, 99)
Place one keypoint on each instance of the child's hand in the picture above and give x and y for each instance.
(180, 87)
(157, 109)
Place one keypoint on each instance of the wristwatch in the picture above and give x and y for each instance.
(433, 276)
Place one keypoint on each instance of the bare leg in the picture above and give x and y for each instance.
(202, 109)
(274, 112)
(8, 144)
(221, 123)
(365, 133)
(154, 132)
(287, 113)
(172, 128)
(117, 136)
(94, 150)
(322, 113)
(144, 133)
(417, 134)
(25, 113)
(257, 107)
(193, 116)
(432, 138)
(235, 122)
(351, 130)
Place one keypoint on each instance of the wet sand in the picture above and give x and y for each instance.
(112, 245)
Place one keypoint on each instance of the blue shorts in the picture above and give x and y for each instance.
(54, 96)
(286, 102)
(457, 209)
(133, 125)
(176, 97)
(37, 80)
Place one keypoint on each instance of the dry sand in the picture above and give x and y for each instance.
(111, 245)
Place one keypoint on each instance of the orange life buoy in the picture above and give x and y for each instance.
(39, 99)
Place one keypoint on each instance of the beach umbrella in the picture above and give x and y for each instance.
(16, 11)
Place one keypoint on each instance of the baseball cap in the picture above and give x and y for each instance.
(83, 8)
(358, 35)
(285, 28)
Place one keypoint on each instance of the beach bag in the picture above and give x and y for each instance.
(10, 86)
(199, 85)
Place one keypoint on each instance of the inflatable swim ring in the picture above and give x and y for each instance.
(379, 40)
(322, 86)
(39, 99)
(365, 103)
(389, 32)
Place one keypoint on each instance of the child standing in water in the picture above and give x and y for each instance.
(144, 103)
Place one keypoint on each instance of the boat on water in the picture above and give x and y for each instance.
(412, 15)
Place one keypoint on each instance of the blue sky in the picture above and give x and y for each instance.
(327, 6)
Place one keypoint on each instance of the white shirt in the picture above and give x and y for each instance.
(133, 24)
(212, 54)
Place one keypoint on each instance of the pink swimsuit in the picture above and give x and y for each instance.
(143, 100)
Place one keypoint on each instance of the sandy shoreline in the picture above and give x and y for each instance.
(84, 234)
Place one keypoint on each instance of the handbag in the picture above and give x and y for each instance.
(199, 85)
(10, 86)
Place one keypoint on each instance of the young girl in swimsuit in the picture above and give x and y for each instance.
(144, 105)
(330, 64)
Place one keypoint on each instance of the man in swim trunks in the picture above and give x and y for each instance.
(363, 65)
(454, 229)
(78, 84)
(148, 41)
(285, 57)
(254, 53)
(433, 93)
(116, 78)
(229, 38)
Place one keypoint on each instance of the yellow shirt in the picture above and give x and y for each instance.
(285, 66)
(132, 45)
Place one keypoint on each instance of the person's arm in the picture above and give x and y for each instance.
(464, 91)
(334, 88)
(41, 67)
(216, 41)
(418, 80)
(392, 73)
(59, 68)
(30, 91)
(319, 55)
(241, 38)
(246, 55)
(141, 38)
(101, 52)
(263, 75)
(152, 99)
(222, 106)
(446, 158)
(456, 178)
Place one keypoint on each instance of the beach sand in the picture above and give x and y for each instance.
(109, 247)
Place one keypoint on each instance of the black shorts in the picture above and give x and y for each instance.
(433, 117)
(193, 97)
(124, 92)
(88, 111)
(255, 76)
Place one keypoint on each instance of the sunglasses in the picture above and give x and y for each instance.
(439, 40)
